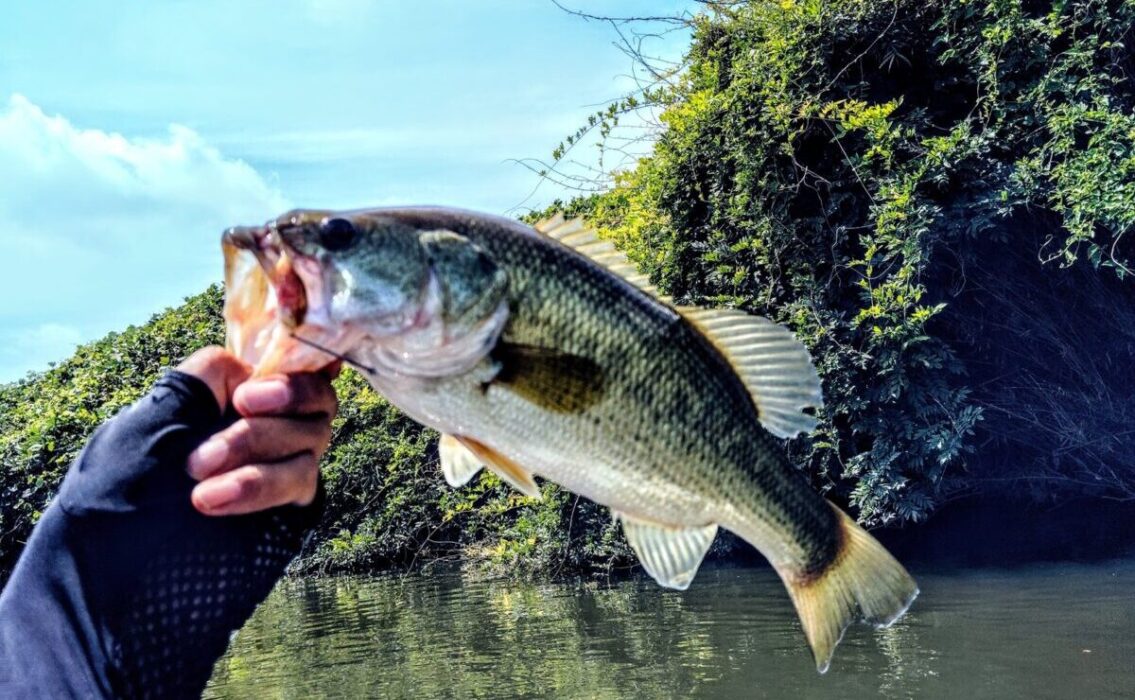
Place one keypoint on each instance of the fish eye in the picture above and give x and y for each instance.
(336, 234)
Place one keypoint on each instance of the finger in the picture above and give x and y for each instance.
(259, 439)
(257, 487)
(305, 393)
(219, 369)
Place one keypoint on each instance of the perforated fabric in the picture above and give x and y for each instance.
(189, 602)
(124, 590)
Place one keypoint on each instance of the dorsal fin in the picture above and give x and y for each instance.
(576, 235)
(775, 367)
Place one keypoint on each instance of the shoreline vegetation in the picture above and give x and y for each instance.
(935, 197)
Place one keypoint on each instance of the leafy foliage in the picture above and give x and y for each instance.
(840, 166)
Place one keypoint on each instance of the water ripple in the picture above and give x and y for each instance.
(1046, 631)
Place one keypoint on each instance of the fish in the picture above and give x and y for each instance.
(543, 352)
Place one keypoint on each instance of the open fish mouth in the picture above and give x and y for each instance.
(265, 300)
(263, 245)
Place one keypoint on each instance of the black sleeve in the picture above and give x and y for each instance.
(124, 589)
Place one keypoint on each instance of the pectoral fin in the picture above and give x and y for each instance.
(557, 381)
(458, 464)
(510, 472)
(671, 555)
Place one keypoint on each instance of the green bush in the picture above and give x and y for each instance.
(852, 169)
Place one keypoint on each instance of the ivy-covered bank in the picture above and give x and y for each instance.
(934, 195)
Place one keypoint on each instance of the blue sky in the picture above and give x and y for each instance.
(132, 133)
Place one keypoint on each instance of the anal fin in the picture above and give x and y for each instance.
(458, 464)
(509, 471)
(670, 554)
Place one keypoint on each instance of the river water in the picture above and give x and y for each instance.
(1040, 631)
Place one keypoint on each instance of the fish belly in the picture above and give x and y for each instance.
(589, 453)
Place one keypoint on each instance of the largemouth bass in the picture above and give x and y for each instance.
(544, 353)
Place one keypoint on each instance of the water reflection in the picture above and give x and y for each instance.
(1041, 632)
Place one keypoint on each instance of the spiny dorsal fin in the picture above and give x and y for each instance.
(670, 554)
(458, 464)
(775, 367)
(576, 235)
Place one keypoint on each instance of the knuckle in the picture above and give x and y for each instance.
(310, 471)
(241, 439)
(297, 395)
(220, 360)
(211, 355)
(251, 485)
(317, 393)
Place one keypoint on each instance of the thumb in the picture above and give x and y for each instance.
(221, 370)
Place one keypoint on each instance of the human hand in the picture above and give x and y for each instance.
(270, 457)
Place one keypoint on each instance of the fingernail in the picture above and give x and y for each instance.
(269, 395)
(207, 458)
(214, 495)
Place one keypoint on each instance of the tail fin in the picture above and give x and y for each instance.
(864, 581)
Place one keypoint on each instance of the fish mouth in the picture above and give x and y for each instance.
(268, 316)
(277, 260)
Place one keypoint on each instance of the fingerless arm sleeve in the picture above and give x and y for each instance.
(124, 589)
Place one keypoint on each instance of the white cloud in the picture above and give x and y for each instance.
(437, 144)
(43, 156)
(105, 229)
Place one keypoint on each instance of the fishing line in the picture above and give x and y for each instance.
(332, 353)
